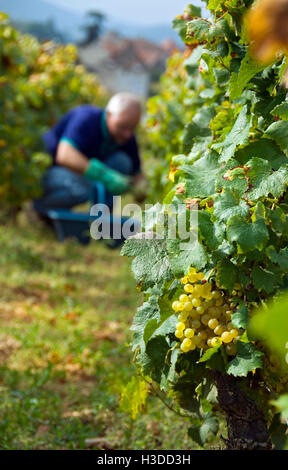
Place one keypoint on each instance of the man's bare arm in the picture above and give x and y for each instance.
(71, 158)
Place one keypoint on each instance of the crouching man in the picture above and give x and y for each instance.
(91, 144)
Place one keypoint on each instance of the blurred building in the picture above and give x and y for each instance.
(126, 64)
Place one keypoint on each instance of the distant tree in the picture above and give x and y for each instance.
(94, 27)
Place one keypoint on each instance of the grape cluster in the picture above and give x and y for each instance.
(204, 315)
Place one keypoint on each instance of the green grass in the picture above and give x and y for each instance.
(65, 353)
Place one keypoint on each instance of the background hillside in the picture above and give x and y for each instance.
(69, 23)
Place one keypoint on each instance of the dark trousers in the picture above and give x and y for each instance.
(63, 188)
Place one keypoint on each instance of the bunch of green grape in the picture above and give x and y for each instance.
(204, 315)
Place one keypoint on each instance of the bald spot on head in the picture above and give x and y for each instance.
(123, 118)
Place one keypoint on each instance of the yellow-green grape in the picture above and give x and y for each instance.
(183, 317)
(216, 341)
(192, 277)
(230, 326)
(179, 334)
(196, 302)
(205, 319)
(187, 343)
(183, 298)
(194, 314)
(202, 335)
(201, 276)
(219, 330)
(184, 280)
(189, 333)
(184, 348)
(192, 270)
(237, 286)
(234, 293)
(188, 288)
(200, 310)
(188, 306)
(226, 337)
(231, 349)
(207, 303)
(175, 306)
(215, 294)
(180, 307)
(180, 326)
(234, 333)
(195, 324)
(212, 323)
(213, 311)
(219, 302)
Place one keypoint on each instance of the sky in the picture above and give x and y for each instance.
(146, 12)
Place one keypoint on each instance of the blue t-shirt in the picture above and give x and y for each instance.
(85, 128)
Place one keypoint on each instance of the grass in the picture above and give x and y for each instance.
(65, 353)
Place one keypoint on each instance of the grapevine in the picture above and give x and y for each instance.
(38, 84)
(193, 335)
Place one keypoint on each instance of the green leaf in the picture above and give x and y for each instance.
(237, 136)
(226, 274)
(182, 259)
(248, 235)
(153, 361)
(193, 132)
(201, 176)
(280, 258)
(209, 353)
(211, 233)
(151, 263)
(264, 149)
(277, 432)
(202, 433)
(282, 405)
(281, 111)
(278, 132)
(240, 317)
(248, 69)
(248, 358)
(271, 323)
(264, 280)
(148, 312)
(227, 205)
(274, 184)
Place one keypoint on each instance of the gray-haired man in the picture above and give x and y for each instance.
(88, 145)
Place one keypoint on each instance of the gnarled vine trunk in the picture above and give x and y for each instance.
(247, 429)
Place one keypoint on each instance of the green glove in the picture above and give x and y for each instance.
(115, 182)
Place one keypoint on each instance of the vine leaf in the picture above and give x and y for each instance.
(201, 176)
(226, 274)
(248, 358)
(237, 136)
(248, 69)
(264, 280)
(240, 318)
(271, 322)
(151, 263)
(227, 205)
(274, 184)
(278, 132)
(181, 260)
(201, 433)
(248, 235)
